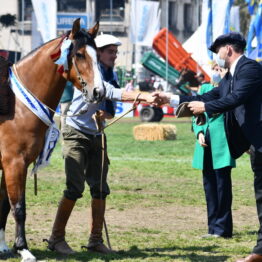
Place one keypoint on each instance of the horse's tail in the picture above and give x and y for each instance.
(5, 91)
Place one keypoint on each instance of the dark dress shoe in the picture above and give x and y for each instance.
(251, 258)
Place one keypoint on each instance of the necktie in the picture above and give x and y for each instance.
(230, 79)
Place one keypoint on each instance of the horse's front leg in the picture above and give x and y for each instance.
(15, 178)
(4, 211)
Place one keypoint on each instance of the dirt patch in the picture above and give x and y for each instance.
(170, 218)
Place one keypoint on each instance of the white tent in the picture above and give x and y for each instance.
(197, 43)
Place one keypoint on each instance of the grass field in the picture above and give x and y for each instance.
(156, 210)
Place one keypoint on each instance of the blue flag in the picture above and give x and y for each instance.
(251, 35)
(258, 24)
(227, 18)
(251, 6)
(209, 32)
(255, 30)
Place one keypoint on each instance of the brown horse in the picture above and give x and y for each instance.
(23, 133)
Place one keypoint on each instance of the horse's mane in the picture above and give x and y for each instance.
(81, 38)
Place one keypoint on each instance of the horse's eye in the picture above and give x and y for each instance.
(80, 56)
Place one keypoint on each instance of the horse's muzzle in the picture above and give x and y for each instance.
(98, 94)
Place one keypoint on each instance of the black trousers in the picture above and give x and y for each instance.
(218, 191)
(256, 164)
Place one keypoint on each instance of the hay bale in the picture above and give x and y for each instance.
(153, 132)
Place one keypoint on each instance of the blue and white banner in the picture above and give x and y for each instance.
(145, 22)
(121, 108)
(227, 18)
(234, 19)
(221, 17)
(42, 112)
(65, 20)
(45, 11)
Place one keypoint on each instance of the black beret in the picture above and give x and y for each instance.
(231, 38)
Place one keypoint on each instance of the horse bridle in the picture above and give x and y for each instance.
(84, 85)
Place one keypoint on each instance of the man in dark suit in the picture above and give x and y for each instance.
(239, 96)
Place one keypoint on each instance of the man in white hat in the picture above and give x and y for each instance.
(85, 160)
(107, 49)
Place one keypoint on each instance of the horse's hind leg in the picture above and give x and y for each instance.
(4, 211)
(15, 178)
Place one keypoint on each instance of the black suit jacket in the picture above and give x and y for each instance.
(243, 99)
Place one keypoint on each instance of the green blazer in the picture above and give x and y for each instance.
(219, 146)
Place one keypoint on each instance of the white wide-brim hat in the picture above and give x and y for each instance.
(105, 39)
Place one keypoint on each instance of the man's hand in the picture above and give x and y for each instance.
(197, 107)
(147, 98)
(161, 98)
(104, 115)
(201, 139)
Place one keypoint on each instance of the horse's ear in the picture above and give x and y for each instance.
(94, 30)
(76, 27)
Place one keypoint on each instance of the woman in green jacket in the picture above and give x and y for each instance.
(212, 156)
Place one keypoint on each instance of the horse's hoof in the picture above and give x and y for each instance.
(28, 260)
(26, 256)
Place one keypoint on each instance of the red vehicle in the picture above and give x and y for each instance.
(149, 113)
(178, 57)
(146, 112)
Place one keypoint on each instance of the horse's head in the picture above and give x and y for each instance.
(83, 69)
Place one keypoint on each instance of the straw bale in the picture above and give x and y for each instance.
(153, 132)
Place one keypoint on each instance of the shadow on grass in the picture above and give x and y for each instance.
(136, 253)
(244, 233)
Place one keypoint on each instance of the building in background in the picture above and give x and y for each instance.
(181, 16)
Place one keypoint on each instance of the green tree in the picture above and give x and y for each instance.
(7, 20)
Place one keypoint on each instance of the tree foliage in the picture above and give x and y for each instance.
(7, 20)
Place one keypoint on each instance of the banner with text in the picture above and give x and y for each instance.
(65, 20)
(45, 12)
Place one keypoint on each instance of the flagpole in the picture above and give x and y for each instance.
(167, 28)
(111, 14)
(135, 45)
(23, 23)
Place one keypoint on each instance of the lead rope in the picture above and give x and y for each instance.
(135, 104)
(98, 123)
(100, 129)
(101, 181)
